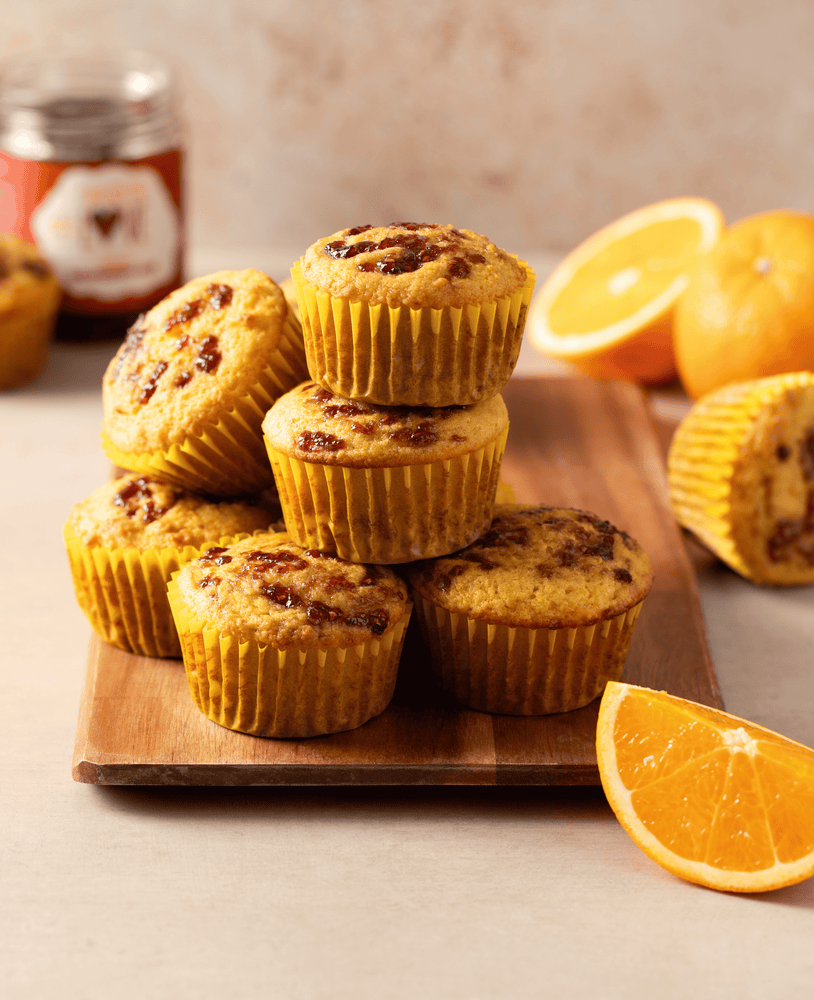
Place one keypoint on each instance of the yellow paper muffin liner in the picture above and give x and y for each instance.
(25, 334)
(398, 356)
(389, 515)
(265, 691)
(703, 456)
(523, 671)
(227, 457)
(123, 592)
(504, 492)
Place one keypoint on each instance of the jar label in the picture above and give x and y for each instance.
(111, 231)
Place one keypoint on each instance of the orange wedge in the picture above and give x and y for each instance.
(706, 795)
(608, 307)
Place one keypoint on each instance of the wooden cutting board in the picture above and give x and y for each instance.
(572, 442)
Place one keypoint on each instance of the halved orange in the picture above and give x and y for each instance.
(608, 307)
(706, 795)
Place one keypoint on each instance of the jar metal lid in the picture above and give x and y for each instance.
(86, 108)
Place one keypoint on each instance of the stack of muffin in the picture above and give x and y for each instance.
(183, 399)
(388, 454)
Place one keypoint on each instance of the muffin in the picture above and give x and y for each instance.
(741, 473)
(411, 314)
(185, 395)
(29, 301)
(537, 615)
(384, 484)
(287, 288)
(126, 539)
(282, 641)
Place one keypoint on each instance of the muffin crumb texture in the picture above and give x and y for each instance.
(191, 355)
(540, 567)
(141, 512)
(777, 484)
(271, 590)
(313, 425)
(413, 264)
(741, 471)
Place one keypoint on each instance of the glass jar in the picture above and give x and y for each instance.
(91, 170)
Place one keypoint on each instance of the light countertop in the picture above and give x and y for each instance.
(455, 893)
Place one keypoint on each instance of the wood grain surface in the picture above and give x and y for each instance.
(572, 442)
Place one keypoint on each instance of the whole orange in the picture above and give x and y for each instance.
(748, 310)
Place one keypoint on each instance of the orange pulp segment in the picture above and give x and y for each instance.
(710, 797)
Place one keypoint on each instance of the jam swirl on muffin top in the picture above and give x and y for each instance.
(418, 265)
(145, 500)
(415, 427)
(311, 424)
(307, 589)
(578, 539)
(539, 567)
(199, 356)
(410, 250)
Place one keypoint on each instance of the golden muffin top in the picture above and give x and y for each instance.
(539, 567)
(312, 425)
(415, 264)
(191, 355)
(25, 278)
(141, 512)
(270, 589)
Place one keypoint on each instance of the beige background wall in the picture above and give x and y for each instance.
(534, 121)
